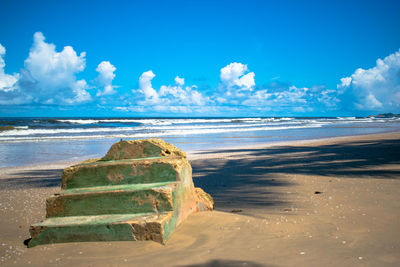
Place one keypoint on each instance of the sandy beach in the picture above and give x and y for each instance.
(329, 202)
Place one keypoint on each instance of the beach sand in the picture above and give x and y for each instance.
(330, 202)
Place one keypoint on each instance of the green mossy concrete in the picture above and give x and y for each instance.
(84, 233)
(117, 227)
(139, 149)
(90, 220)
(147, 150)
(111, 202)
(141, 190)
(128, 187)
(120, 172)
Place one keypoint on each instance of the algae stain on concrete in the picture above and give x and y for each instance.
(141, 190)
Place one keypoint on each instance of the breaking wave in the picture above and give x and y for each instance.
(39, 129)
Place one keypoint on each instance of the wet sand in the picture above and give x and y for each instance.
(331, 202)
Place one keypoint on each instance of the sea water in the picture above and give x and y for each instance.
(43, 140)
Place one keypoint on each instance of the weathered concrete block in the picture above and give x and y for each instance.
(141, 190)
(127, 171)
(126, 227)
(128, 199)
(139, 149)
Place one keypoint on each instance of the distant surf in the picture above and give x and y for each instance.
(38, 140)
(45, 129)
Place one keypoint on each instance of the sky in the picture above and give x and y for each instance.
(199, 58)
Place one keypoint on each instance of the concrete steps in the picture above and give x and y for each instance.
(120, 199)
(116, 227)
(125, 171)
(123, 197)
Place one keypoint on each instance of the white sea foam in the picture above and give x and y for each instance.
(173, 127)
(183, 125)
(28, 132)
(142, 121)
(222, 126)
(175, 132)
(161, 121)
(25, 131)
(82, 121)
(346, 118)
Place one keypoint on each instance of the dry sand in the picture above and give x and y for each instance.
(331, 202)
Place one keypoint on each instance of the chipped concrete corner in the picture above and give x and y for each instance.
(140, 190)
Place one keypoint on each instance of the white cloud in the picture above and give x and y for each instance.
(377, 88)
(175, 91)
(179, 81)
(146, 88)
(328, 98)
(105, 78)
(233, 76)
(258, 98)
(173, 98)
(345, 82)
(236, 86)
(7, 81)
(290, 96)
(48, 77)
(372, 102)
(196, 97)
(295, 95)
(51, 74)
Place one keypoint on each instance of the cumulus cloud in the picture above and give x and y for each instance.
(233, 76)
(289, 98)
(187, 95)
(7, 81)
(377, 88)
(105, 78)
(329, 98)
(146, 88)
(237, 86)
(50, 75)
(179, 81)
(344, 82)
(173, 98)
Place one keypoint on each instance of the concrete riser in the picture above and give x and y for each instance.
(123, 198)
(85, 233)
(156, 228)
(124, 172)
(120, 202)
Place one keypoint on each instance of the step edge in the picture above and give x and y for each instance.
(119, 218)
(113, 188)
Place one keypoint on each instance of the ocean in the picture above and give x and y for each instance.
(25, 141)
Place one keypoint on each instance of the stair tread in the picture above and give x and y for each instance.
(111, 188)
(122, 161)
(102, 219)
(126, 171)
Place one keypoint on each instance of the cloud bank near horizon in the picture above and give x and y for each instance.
(377, 88)
(50, 78)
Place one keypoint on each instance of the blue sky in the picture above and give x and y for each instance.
(199, 58)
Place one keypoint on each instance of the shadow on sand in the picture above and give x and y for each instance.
(250, 182)
(32, 179)
(237, 182)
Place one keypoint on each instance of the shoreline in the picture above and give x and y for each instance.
(212, 152)
(331, 201)
(199, 154)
